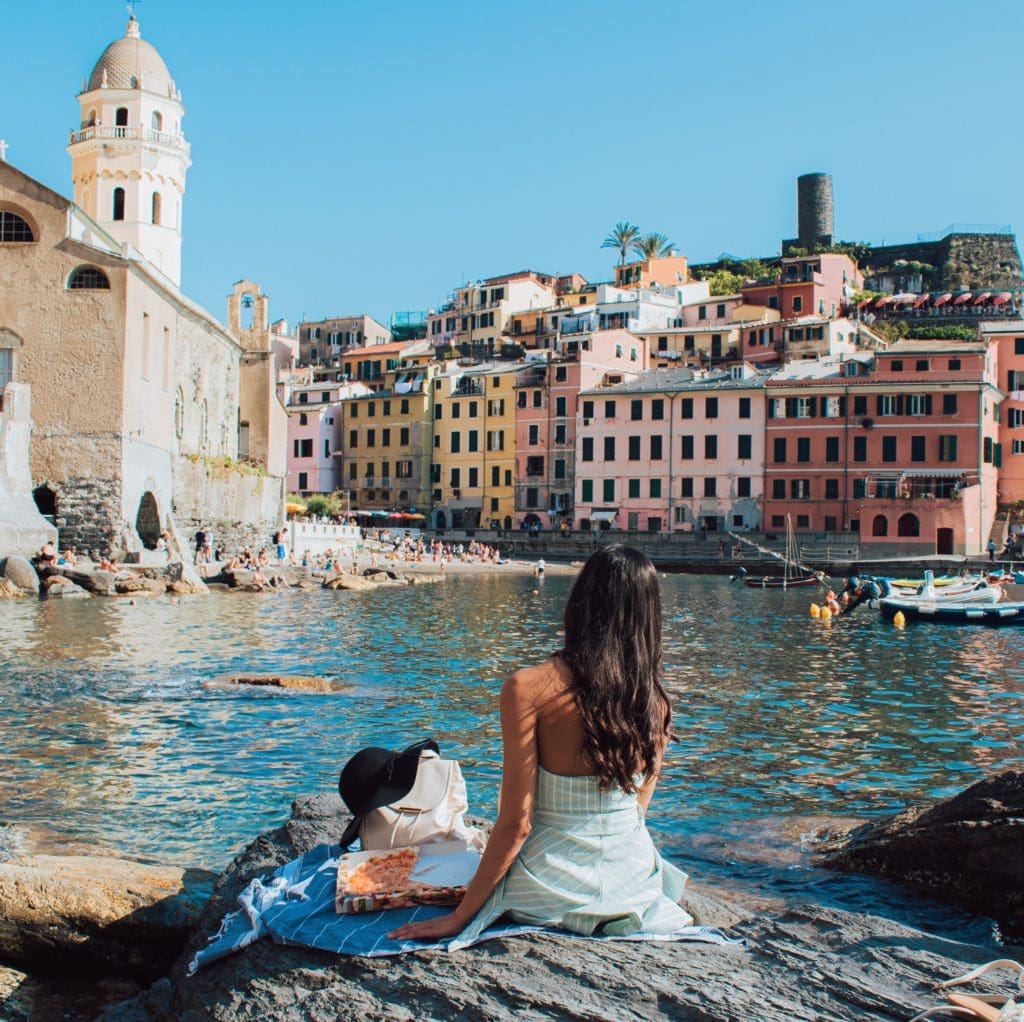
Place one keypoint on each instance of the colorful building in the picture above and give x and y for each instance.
(324, 340)
(478, 314)
(386, 440)
(547, 391)
(808, 285)
(900, 446)
(672, 450)
(314, 434)
(1007, 340)
(473, 465)
(669, 270)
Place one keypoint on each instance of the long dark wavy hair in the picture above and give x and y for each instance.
(613, 651)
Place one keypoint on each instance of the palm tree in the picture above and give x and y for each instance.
(650, 246)
(623, 237)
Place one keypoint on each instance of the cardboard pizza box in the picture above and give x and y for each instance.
(431, 874)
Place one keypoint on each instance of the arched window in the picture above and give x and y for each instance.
(90, 120)
(14, 228)
(179, 414)
(121, 121)
(908, 525)
(157, 121)
(118, 210)
(880, 526)
(88, 278)
(156, 208)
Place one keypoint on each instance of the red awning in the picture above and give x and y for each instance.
(1002, 298)
(961, 299)
(884, 300)
(984, 296)
(921, 300)
(942, 299)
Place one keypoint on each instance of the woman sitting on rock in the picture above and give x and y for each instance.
(584, 734)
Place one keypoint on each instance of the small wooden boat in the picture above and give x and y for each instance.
(955, 613)
(783, 582)
(794, 576)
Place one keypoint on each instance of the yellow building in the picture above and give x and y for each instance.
(474, 446)
(387, 442)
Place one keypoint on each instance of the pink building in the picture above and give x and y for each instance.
(808, 285)
(673, 450)
(900, 446)
(314, 435)
(547, 392)
(1007, 340)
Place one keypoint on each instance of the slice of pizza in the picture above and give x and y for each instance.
(387, 873)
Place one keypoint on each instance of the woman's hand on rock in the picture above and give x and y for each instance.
(429, 929)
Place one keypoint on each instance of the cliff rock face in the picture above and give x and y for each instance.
(969, 848)
(805, 963)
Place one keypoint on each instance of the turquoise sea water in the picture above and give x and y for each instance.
(110, 736)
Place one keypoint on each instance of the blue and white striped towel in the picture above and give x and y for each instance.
(296, 906)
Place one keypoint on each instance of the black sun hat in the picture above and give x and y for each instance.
(376, 777)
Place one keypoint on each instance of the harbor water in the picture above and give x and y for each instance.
(111, 735)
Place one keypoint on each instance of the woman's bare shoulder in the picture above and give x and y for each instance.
(540, 681)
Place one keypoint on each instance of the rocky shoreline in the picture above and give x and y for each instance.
(20, 578)
(124, 932)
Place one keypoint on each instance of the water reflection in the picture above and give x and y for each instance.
(107, 727)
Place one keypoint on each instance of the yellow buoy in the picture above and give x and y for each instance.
(898, 619)
(826, 614)
(815, 610)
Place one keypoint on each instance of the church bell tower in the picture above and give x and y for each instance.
(129, 157)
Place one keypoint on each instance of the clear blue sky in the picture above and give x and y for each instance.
(370, 156)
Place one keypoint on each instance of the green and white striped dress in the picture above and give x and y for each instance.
(589, 865)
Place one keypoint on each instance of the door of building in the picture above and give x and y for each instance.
(944, 541)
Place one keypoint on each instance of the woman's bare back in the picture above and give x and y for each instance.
(559, 728)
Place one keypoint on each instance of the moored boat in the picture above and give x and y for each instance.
(795, 575)
(949, 612)
(783, 582)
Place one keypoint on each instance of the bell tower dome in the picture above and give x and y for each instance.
(129, 156)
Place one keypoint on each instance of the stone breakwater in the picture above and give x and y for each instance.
(114, 925)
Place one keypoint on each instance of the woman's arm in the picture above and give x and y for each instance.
(650, 782)
(518, 781)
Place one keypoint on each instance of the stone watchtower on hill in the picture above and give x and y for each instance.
(129, 156)
(815, 218)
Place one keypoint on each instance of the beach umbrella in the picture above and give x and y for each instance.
(295, 509)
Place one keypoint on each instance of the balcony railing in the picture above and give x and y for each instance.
(108, 132)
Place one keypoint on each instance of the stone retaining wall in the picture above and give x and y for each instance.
(240, 509)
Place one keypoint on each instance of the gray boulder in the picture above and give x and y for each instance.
(57, 587)
(969, 848)
(20, 571)
(803, 962)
